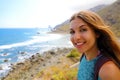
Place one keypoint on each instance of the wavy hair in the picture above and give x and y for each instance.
(107, 41)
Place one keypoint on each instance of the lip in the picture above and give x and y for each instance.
(79, 44)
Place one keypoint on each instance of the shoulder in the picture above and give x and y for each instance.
(109, 71)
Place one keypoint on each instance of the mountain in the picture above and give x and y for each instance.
(97, 8)
(64, 27)
(110, 14)
(61, 28)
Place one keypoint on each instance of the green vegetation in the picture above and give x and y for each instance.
(65, 74)
(56, 73)
(63, 28)
(61, 71)
(74, 53)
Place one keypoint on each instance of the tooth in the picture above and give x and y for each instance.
(79, 43)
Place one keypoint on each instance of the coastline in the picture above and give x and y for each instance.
(22, 55)
(28, 69)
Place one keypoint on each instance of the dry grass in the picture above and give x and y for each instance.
(54, 65)
(61, 71)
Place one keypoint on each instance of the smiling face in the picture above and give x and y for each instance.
(82, 36)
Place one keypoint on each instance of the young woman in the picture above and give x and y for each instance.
(92, 37)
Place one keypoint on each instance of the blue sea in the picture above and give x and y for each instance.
(15, 41)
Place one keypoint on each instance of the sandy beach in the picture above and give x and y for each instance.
(28, 69)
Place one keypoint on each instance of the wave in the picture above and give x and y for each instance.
(35, 39)
(5, 54)
(6, 67)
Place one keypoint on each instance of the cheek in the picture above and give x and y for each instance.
(71, 38)
(90, 36)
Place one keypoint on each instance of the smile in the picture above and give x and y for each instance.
(78, 45)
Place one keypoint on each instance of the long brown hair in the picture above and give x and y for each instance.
(107, 42)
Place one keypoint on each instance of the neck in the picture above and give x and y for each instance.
(91, 55)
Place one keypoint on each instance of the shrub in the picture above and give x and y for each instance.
(74, 53)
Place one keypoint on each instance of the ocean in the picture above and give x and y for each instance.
(18, 44)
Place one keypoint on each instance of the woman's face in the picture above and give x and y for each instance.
(82, 36)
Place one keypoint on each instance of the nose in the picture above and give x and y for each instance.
(77, 36)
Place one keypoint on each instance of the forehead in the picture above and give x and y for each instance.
(77, 22)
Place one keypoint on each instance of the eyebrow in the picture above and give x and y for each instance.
(79, 26)
(82, 25)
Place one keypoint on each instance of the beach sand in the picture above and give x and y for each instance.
(28, 69)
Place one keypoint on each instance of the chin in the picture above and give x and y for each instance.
(80, 50)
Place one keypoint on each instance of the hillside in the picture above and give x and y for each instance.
(62, 28)
(55, 64)
(110, 13)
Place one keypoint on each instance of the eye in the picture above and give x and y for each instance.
(72, 32)
(83, 30)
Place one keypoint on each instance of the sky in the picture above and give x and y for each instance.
(41, 13)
